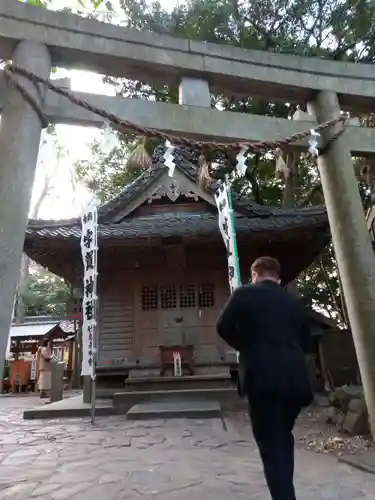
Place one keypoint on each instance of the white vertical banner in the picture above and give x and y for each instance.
(89, 249)
(227, 228)
(33, 370)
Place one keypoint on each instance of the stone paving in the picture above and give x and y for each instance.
(166, 460)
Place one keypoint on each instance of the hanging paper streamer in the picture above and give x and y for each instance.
(241, 161)
(282, 169)
(89, 249)
(109, 139)
(227, 228)
(314, 143)
(169, 158)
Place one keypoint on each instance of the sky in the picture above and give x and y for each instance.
(63, 200)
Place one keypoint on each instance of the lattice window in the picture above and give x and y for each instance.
(149, 298)
(168, 297)
(206, 296)
(188, 296)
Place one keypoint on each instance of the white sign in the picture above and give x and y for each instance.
(228, 232)
(177, 367)
(33, 370)
(89, 249)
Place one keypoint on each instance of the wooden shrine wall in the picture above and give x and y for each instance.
(162, 297)
(116, 320)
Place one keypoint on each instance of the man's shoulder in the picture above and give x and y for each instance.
(245, 289)
(250, 291)
(272, 290)
(242, 292)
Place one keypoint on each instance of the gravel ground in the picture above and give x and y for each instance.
(312, 433)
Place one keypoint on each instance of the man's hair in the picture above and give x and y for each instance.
(266, 266)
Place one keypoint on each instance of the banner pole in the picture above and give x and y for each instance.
(234, 234)
(227, 228)
(95, 323)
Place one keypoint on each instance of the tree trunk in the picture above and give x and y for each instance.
(289, 194)
(19, 309)
(289, 199)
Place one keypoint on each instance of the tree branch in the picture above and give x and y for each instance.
(305, 201)
(288, 200)
(251, 178)
(41, 197)
(341, 51)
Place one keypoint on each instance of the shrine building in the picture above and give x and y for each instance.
(163, 273)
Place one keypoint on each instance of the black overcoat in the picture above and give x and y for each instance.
(270, 329)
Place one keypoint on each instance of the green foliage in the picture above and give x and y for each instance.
(81, 3)
(320, 286)
(107, 173)
(44, 294)
(94, 3)
(36, 3)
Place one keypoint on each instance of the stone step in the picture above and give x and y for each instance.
(176, 383)
(199, 409)
(107, 392)
(72, 407)
(227, 397)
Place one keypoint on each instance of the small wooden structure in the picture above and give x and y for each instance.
(24, 341)
(334, 356)
(163, 274)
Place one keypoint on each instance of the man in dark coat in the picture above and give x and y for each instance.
(270, 329)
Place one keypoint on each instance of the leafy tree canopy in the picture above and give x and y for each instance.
(80, 3)
(44, 294)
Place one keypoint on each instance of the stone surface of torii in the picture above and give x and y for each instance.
(75, 42)
(19, 144)
(192, 121)
(127, 52)
(69, 41)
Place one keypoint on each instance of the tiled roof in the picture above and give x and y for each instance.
(186, 162)
(67, 326)
(203, 223)
(39, 329)
(27, 329)
(178, 224)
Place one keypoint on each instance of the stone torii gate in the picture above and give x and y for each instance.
(37, 39)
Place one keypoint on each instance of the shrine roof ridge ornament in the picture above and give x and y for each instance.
(76, 42)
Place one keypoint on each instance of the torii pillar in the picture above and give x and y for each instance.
(20, 134)
(351, 241)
